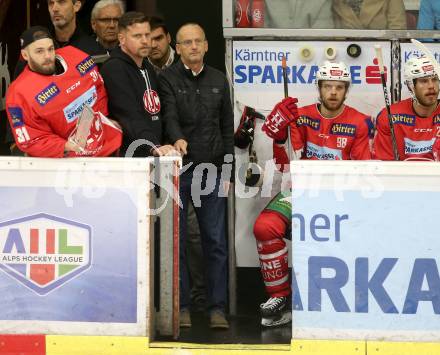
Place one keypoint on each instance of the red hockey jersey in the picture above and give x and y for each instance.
(43, 109)
(415, 135)
(343, 137)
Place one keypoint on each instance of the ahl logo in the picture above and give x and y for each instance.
(44, 252)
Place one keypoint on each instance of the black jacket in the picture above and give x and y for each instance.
(198, 109)
(83, 41)
(133, 100)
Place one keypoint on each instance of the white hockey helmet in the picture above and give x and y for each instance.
(417, 67)
(333, 71)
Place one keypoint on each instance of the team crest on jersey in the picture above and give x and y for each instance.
(47, 94)
(343, 129)
(85, 66)
(407, 120)
(16, 116)
(436, 119)
(151, 101)
(309, 122)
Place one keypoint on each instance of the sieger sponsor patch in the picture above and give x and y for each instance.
(86, 65)
(308, 121)
(47, 94)
(407, 120)
(343, 129)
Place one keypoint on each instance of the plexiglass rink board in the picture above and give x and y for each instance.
(365, 250)
(74, 246)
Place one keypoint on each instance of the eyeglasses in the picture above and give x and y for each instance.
(108, 20)
(189, 42)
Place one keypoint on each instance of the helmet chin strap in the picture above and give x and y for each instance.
(411, 92)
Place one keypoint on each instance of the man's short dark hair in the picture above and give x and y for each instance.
(130, 18)
(158, 22)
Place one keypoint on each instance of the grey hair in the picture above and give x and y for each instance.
(103, 3)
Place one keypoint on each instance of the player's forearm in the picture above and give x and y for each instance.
(44, 148)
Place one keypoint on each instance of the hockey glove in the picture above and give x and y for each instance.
(244, 134)
(278, 121)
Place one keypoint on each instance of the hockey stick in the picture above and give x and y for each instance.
(262, 112)
(378, 49)
(252, 110)
(428, 54)
(286, 94)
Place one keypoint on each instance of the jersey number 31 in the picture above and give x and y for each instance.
(22, 134)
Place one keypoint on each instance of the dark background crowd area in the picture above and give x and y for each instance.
(175, 13)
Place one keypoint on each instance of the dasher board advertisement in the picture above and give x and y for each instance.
(74, 246)
(365, 250)
(258, 83)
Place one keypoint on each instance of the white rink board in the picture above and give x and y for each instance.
(109, 199)
(257, 83)
(365, 253)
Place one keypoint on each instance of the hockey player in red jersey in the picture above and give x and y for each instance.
(416, 120)
(44, 103)
(327, 130)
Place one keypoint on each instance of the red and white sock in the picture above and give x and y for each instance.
(269, 231)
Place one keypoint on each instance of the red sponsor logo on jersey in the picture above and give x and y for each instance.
(151, 101)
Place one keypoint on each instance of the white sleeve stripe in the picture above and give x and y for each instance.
(274, 255)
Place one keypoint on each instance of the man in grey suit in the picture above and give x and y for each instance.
(299, 14)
